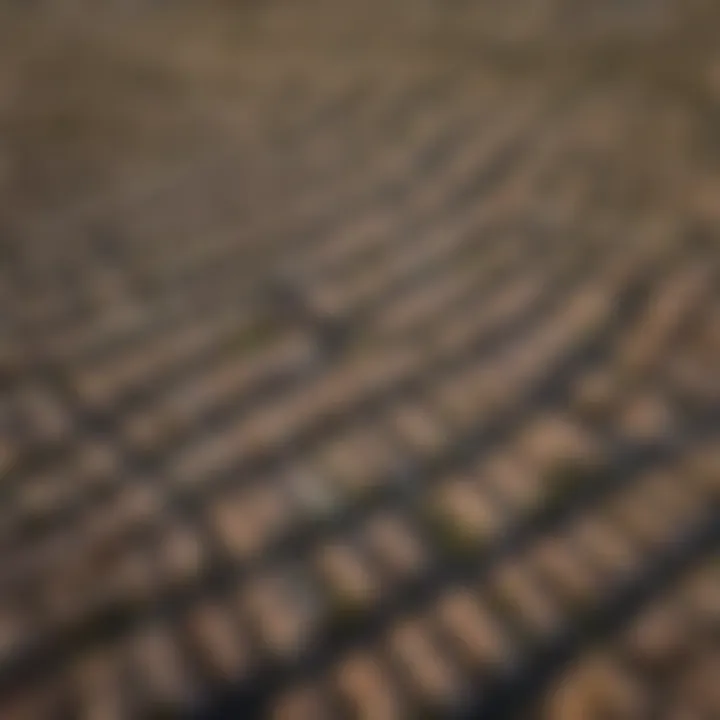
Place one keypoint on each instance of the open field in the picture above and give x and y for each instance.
(359, 360)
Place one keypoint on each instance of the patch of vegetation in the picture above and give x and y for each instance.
(568, 478)
(345, 610)
(163, 710)
(259, 333)
(454, 538)
(33, 525)
(112, 619)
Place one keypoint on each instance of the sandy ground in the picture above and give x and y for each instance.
(95, 98)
